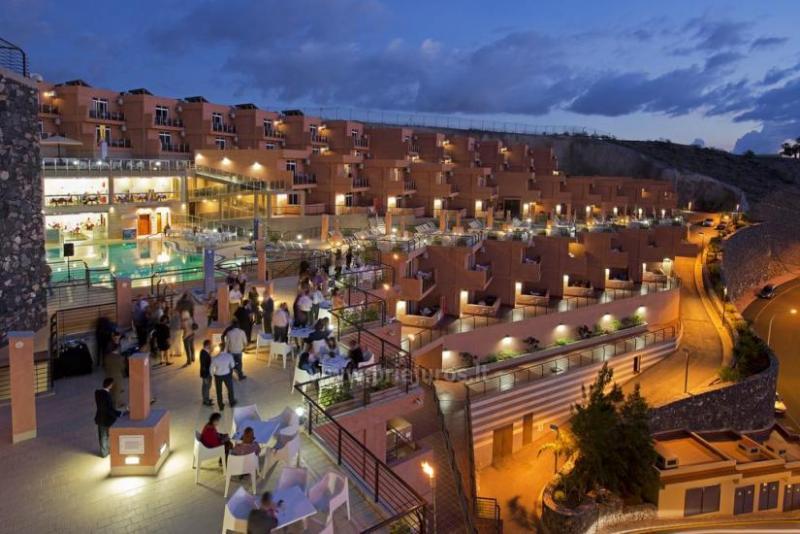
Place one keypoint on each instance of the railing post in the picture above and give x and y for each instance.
(339, 447)
(377, 481)
(310, 418)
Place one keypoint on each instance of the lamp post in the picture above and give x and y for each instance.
(769, 329)
(555, 429)
(429, 472)
(686, 374)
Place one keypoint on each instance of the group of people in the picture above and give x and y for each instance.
(163, 330)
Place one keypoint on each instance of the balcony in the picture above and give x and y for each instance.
(167, 122)
(106, 115)
(179, 148)
(530, 270)
(48, 109)
(360, 182)
(317, 138)
(222, 127)
(617, 258)
(488, 306)
(359, 141)
(443, 189)
(84, 199)
(271, 133)
(417, 287)
(119, 143)
(304, 180)
(477, 277)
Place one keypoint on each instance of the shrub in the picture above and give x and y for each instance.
(729, 374)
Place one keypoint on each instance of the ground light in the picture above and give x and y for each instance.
(429, 472)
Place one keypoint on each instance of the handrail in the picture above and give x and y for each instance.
(13, 58)
(556, 365)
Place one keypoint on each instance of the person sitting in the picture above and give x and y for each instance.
(265, 517)
(211, 437)
(333, 347)
(248, 444)
(309, 360)
(356, 355)
(318, 336)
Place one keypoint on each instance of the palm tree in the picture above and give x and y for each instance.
(563, 446)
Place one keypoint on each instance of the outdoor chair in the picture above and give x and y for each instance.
(237, 510)
(246, 464)
(329, 494)
(203, 454)
(293, 476)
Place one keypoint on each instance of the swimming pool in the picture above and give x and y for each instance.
(138, 259)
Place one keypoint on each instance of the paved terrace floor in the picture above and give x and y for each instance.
(57, 482)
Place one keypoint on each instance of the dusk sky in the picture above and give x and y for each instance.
(727, 73)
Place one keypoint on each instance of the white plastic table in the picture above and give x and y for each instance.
(263, 430)
(296, 506)
(335, 365)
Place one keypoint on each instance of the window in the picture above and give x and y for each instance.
(354, 132)
(269, 146)
(293, 199)
(162, 114)
(166, 140)
(220, 143)
(637, 364)
(768, 496)
(743, 499)
(291, 165)
(216, 120)
(791, 497)
(701, 500)
(267, 127)
(102, 133)
(316, 151)
(348, 201)
(99, 107)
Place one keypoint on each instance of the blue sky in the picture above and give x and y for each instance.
(727, 73)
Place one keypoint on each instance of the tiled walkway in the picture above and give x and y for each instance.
(57, 483)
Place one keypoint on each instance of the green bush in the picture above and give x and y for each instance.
(330, 395)
(750, 354)
(729, 374)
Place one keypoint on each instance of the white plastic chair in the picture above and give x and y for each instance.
(329, 494)
(246, 464)
(237, 511)
(282, 350)
(288, 454)
(244, 413)
(300, 377)
(204, 454)
(293, 476)
(264, 339)
(369, 361)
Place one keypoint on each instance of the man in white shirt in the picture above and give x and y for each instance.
(304, 304)
(234, 299)
(316, 300)
(222, 366)
(280, 324)
(235, 342)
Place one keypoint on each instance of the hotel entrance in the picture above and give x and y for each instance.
(143, 224)
(151, 221)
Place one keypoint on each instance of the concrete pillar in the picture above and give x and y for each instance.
(336, 224)
(110, 190)
(302, 203)
(269, 205)
(139, 386)
(490, 218)
(458, 218)
(223, 307)
(23, 379)
(325, 227)
(388, 222)
(122, 289)
(208, 270)
(443, 221)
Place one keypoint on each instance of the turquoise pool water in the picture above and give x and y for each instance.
(137, 260)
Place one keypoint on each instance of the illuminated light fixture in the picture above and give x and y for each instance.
(158, 164)
(111, 209)
(641, 309)
(300, 411)
(131, 460)
(75, 162)
(793, 311)
(606, 317)
(428, 469)
(299, 237)
(99, 162)
(225, 161)
(506, 339)
(256, 165)
(183, 205)
(411, 337)
(49, 94)
(395, 256)
(561, 326)
(163, 448)
(386, 287)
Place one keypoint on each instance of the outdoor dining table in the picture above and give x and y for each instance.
(263, 430)
(334, 365)
(295, 507)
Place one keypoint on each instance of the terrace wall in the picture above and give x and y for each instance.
(23, 269)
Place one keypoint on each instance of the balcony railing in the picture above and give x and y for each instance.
(317, 138)
(360, 181)
(304, 179)
(560, 364)
(181, 148)
(13, 58)
(150, 196)
(119, 143)
(223, 127)
(106, 115)
(361, 141)
(80, 199)
(49, 109)
(168, 121)
(409, 185)
(73, 166)
(274, 134)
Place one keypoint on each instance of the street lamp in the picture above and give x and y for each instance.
(428, 470)
(555, 429)
(793, 311)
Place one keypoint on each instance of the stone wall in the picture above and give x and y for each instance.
(745, 405)
(23, 269)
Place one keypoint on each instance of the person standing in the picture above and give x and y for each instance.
(104, 329)
(235, 343)
(213, 308)
(244, 317)
(349, 258)
(205, 371)
(242, 281)
(189, 327)
(106, 414)
(114, 367)
(234, 299)
(316, 301)
(304, 304)
(222, 366)
(162, 334)
(267, 310)
(280, 324)
(175, 341)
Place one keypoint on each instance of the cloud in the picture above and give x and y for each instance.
(768, 139)
(775, 75)
(713, 35)
(767, 42)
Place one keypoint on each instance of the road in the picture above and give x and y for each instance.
(785, 339)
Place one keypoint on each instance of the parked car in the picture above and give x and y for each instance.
(767, 292)
(708, 223)
(780, 406)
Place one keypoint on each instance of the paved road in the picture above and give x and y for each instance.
(785, 339)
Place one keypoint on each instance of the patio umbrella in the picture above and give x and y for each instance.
(59, 141)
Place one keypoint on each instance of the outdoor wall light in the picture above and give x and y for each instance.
(561, 326)
(163, 449)
(131, 460)
(299, 237)
(225, 161)
(641, 309)
(300, 411)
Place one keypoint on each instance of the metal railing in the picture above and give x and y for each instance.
(557, 365)
(49, 109)
(240, 179)
(404, 118)
(487, 510)
(13, 58)
(106, 115)
(167, 121)
(180, 147)
(223, 127)
(304, 179)
(73, 166)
